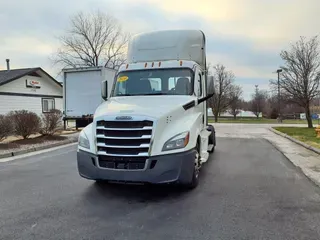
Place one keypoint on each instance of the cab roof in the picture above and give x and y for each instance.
(168, 45)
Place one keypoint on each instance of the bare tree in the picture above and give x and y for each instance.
(258, 102)
(6, 127)
(300, 78)
(223, 86)
(270, 107)
(235, 100)
(245, 105)
(93, 39)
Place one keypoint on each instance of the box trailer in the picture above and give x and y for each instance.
(82, 92)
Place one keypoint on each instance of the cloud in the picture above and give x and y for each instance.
(261, 20)
(246, 35)
(249, 90)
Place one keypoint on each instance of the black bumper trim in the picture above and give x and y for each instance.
(176, 167)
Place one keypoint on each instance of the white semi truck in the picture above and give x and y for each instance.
(153, 126)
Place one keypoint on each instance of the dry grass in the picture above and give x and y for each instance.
(17, 143)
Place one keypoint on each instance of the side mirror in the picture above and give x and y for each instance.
(210, 86)
(104, 90)
(210, 92)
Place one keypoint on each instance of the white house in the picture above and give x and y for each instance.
(29, 89)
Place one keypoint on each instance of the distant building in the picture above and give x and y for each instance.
(303, 116)
(241, 114)
(29, 89)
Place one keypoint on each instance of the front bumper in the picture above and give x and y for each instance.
(168, 168)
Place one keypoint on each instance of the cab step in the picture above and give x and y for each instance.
(210, 147)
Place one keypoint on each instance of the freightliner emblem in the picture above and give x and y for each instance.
(124, 118)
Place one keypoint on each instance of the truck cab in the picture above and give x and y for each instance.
(153, 126)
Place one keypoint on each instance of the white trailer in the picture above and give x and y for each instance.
(153, 127)
(82, 92)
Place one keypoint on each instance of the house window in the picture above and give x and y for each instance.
(47, 104)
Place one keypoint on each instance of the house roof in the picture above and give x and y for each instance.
(7, 76)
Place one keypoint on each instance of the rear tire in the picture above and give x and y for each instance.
(212, 138)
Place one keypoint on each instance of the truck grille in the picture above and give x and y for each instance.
(127, 163)
(123, 144)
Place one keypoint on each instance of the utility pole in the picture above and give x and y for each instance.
(257, 99)
(279, 99)
(319, 105)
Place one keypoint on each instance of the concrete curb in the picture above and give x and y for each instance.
(34, 149)
(316, 150)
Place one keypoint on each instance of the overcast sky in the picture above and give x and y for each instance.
(244, 35)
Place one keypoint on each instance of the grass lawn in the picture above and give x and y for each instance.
(260, 120)
(307, 135)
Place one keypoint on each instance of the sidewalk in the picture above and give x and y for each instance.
(305, 159)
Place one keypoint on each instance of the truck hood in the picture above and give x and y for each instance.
(152, 106)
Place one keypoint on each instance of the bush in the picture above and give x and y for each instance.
(274, 113)
(51, 122)
(25, 123)
(6, 127)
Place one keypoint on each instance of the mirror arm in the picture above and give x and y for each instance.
(189, 105)
(193, 103)
(200, 100)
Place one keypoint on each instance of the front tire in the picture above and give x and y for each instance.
(196, 170)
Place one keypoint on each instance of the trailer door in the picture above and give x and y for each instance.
(82, 92)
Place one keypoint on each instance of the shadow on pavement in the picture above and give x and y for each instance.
(134, 193)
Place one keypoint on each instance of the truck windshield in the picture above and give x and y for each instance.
(154, 82)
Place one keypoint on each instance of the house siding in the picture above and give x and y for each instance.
(15, 95)
(48, 87)
(33, 104)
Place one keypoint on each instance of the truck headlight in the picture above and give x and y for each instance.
(83, 140)
(178, 141)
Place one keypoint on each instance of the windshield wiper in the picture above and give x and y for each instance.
(142, 94)
(125, 95)
(147, 94)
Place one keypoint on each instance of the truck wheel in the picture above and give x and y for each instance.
(196, 170)
(212, 138)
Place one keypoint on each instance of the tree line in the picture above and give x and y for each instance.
(96, 38)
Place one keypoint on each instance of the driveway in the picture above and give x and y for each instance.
(248, 190)
(245, 130)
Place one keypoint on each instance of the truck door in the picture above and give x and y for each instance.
(199, 89)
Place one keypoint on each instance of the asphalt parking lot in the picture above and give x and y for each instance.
(248, 190)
